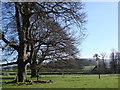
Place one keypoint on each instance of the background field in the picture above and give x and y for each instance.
(68, 81)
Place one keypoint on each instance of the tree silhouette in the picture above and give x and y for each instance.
(98, 65)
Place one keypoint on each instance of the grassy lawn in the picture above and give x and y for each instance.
(69, 81)
(88, 68)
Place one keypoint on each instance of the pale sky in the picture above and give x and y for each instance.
(102, 28)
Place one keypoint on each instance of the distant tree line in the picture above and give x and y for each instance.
(112, 65)
(115, 62)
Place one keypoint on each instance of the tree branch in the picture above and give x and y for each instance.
(13, 45)
(9, 64)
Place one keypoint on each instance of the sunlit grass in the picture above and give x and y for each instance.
(71, 81)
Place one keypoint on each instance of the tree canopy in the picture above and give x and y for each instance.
(44, 29)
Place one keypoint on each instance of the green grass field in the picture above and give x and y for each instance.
(69, 81)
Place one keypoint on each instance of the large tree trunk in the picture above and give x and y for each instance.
(22, 75)
(33, 69)
(33, 73)
(22, 57)
(33, 64)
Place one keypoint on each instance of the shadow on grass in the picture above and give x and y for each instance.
(7, 78)
(27, 82)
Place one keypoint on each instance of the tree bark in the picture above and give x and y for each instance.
(22, 75)
(33, 73)
(22, 57)
(33, 69)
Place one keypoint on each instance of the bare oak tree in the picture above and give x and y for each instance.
(20, 27)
